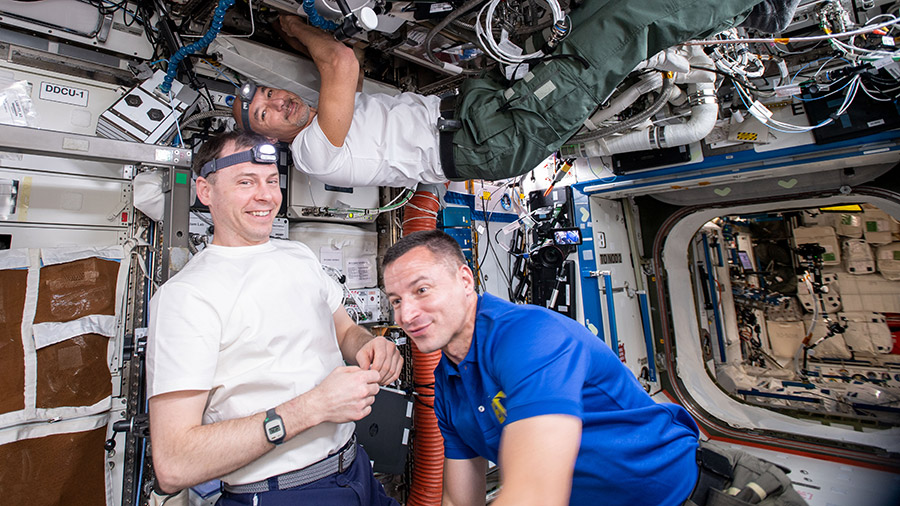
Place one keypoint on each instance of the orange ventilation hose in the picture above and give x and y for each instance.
(428, 447)
(420, 213)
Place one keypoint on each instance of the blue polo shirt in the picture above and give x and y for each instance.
(527, 361)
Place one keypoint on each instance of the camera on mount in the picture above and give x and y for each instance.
(811, 252)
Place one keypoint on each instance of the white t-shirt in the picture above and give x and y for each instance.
(393, 141)
(253, 325)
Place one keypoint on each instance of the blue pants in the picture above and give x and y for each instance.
(356, 486)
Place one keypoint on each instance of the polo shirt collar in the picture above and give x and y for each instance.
(472, 355)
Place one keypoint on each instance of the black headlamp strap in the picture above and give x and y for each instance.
(261, 153)
(227, 161)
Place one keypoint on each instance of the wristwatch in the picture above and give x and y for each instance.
(273, 425)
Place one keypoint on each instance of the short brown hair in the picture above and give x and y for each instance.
(212, 149)
(440, 244)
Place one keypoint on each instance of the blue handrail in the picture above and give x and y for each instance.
(648, 335)
(714, 297)
(197, 45)
(315, 19)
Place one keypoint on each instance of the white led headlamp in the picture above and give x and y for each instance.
(247, 92)
(261, 153)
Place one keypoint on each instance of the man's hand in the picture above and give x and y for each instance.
(382, 356)
(285, 26)
(345, 395)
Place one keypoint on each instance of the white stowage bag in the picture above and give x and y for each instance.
(148, 194)
(15, 103)
(858, 257)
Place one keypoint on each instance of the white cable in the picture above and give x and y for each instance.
(781, 126)
(175, 115)
(252, 25)
(484, 31)
(865, 29)
(866, 91)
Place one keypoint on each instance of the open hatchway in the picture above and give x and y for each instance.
(799, 310)
(735, 351)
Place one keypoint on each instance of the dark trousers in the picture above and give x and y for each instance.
(508, 131)
(356, 486)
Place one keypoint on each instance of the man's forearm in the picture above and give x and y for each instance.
(355, 338)
(186, 454)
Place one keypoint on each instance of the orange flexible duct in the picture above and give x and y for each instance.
(420, 213)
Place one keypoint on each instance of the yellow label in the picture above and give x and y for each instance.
(497, 405)
(24, 200)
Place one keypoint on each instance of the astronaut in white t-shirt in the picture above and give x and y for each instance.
(247, 344)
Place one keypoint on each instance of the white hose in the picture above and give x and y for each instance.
(702, 120)
(669, 60)
(701, 68)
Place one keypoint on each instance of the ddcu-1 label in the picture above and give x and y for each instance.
(64, 94)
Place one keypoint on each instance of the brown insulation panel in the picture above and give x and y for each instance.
(54, 470)
(76, 289)
(12, 355)
(73, 372)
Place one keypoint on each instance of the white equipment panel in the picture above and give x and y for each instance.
(307, 197)
(80, 22)
(61, 102)
(144, 114)
(21, 235)
(65, 199)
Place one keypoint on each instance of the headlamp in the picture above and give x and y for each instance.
(261, 153)
(247, 92)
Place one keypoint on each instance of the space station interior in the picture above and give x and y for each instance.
(726, 221)
(849, 323)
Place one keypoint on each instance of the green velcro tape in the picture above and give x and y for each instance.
(828, 257)
(896, 255)
(871, 226)
(181, 178)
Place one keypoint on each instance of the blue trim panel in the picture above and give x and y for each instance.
(590, 286)
(686, 171)
(464, 199)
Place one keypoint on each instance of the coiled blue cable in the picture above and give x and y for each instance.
(197, 45)
(309, 7)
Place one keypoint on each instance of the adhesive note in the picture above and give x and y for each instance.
(332, 257)
(360, 270)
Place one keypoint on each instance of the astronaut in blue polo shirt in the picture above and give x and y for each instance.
(535, 392)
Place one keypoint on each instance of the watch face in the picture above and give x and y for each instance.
(274, 430)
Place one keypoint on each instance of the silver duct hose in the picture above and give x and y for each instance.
(200, 116)
(664, 94)
(205, 115)
(466, 7)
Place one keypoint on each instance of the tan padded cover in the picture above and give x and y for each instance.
(62, 469)
(73, 372)
(12, 354)
(76, 289)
